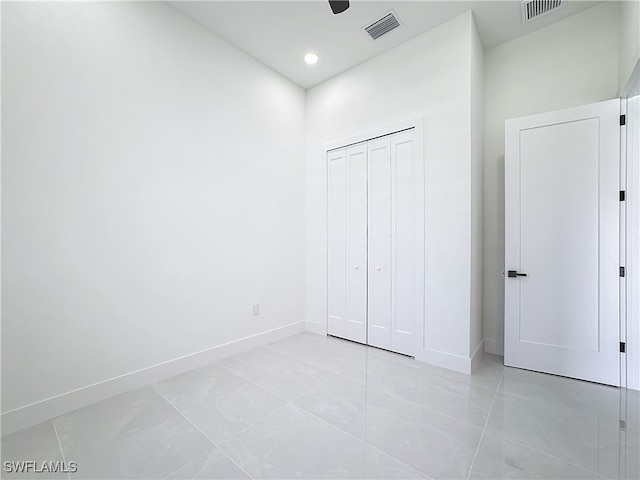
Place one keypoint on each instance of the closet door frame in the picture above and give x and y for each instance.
(417, 124)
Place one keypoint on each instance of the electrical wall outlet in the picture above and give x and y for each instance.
(256, 310)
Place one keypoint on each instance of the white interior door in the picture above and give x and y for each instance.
(394, 218)
(356, 282)
(375, 195)
(347, 243)
(562, 232)
(379, 239)
(336, 242)
(407, 242)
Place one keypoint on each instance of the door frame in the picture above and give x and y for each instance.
(417, 124)
(630, 232)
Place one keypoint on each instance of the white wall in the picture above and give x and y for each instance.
(629, 41)
(568, 63)
(428, 76)
(477, 187)
(153, 191)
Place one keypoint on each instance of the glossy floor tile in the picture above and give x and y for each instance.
(311, 406)
(212, 464)
(136, 435)
(436, 445)
(291, 443)
(39, 444)
(279, 374)
(577, 422)
(217, 401)
(500, 458)
(461, 400)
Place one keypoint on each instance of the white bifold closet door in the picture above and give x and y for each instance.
(347, 249)
(373, 213)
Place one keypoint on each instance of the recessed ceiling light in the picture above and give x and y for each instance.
(311, 58)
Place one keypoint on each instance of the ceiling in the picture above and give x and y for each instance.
(279, 33)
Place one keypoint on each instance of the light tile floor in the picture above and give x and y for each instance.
(318, 407)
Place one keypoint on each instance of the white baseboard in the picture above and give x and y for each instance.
(29, 415)
(494, 346)
(314, 327)
(477, 356)
(445, 360)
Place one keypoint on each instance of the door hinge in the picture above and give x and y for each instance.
(622, 271)
(623, 195)
(623, 120)
(623, 347)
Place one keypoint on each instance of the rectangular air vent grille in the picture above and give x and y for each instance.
(382, 26)
(532, 9)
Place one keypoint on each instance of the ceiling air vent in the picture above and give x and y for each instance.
(532, 9)
(383, 25)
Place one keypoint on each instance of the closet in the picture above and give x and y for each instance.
(375, 213)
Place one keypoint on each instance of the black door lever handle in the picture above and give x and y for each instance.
(514, 274)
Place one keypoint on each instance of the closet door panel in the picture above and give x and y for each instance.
(379, 242)
(356, 232)
(375, 235)
(405, 185)
(336, 242)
